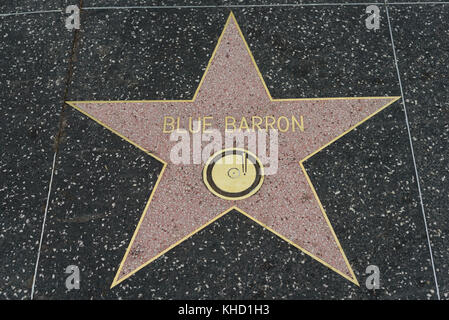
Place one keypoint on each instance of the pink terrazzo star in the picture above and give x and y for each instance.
(286, 203)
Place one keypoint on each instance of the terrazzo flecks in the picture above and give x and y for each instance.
(285, 203)
(422, 39)
(34, 51)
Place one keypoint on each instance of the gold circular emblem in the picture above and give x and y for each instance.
(233, 174)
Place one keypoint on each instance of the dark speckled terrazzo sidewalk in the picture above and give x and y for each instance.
(366, 180)
(34, 51)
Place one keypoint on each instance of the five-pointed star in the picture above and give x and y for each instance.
(180, 204)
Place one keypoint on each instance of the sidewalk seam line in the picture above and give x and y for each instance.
(57, 141)
(43, 226)
(232, 6)
(412, 152)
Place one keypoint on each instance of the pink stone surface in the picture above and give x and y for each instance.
(181, 203)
